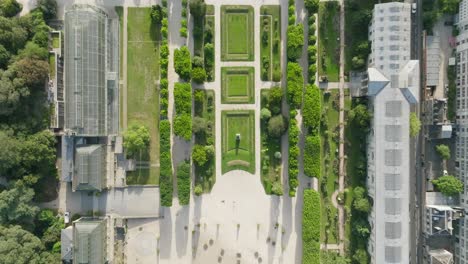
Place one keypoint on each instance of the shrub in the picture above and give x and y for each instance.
(183, 63)
(199, 155)
(209, 55)
(275, 99)
(183, 126)
(183, 98)
(183, 32)
(277, 188)
(265, 114)
(198, 190)
(293, 154)
(415, 125)
(361, 202)
(156, 14)
(295, 83)
(312, 107)
(312, 40)
(443, 151)
(165, 180)
(136, 139)
(183, 182)
(311, 227)
(276, 126)
(312, 6)
(198, 75)
(312, 156)
(295, 41)
(448, 185)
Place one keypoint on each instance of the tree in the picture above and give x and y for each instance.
(209, 55)
(361, 203)
(48, 8)
(357, 62)
(9, 8)
(311, 5)
(295, 41)
(277, 188)
(415, 125)
(199, 125)
(16, 205)
(183, 126)
(18, 246)
(197, 8)
(312, 107)
(265, 114)
(276, 126)
(11, 93)
(199, 155)
(275, 99)
(136, 139)
(197, 61)
(361, 228)
(156, 14)
(4, 56)
(10, 156)
(198, 75)
(360, 116)
(183, 63)
(448, 185)
(443, 151)
(32, 71)
(33, 51)
(42, 142)
(360, 256)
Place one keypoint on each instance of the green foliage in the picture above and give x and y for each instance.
(361, 256)
(165, 179)
(136, 139)
(415, 125)
(277, 188)
(48, 8)
(312, 108)
(4, 56)
(448, 185)
(197, 8)
(183, 98)
(199, 155)
(183, 182)
(198, 75)
(361, 117)
(451, 93)
(295, 41)
(443, 151)
(198, 190)
(361, 202)
(265, 114)
(10, 8)
(312, 6)
(276, 126)
(312, 156)
(183, 126)
(183, 63)
(156, 14)
(199, 125)
(16, 205)
(295, 84)
(311, 227)
(275, 99)
(293, 155)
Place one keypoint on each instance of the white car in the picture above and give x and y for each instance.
(413, 8)
(66, 217)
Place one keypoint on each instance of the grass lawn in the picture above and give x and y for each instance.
(330, 165)
(270, 51)
(238, 154)
(52, 65)
(237, 34)
(206, 175)
(328, 47)
(270, 172)
(143, 98)
(55, 40)
(237, 85)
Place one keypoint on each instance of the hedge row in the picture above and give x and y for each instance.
(183, 182)
(312, 108)
(164, 62)
(312, 156)
(183, 21)
(311, 227)
(183, 63)
(295, 38)
(293, 170)
(312, 50)
(183, 108)
(165, 160)
(295, 84)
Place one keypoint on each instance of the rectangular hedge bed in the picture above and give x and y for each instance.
(237, 85)
(237, 33)
(238, 154)
(270, 37)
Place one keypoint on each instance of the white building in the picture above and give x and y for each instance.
(461, 153)
(393, 92)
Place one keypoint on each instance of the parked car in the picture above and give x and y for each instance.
(66, 217)
(413, 8)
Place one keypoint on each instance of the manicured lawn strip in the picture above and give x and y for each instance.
(183, 182)
(311, 227)
(272, 50)
(272, 172)
(238, 155)
(143, 100)
(205, 176)
(210, 21)
(52, 65)
(55, 40)
(330, 163)
(237, 33)
(237, 85)
(328, 46)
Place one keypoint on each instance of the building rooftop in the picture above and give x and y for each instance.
(89, 241)
(89, 167)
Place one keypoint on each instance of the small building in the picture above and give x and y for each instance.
(88, 242)
(439, 256)
(440, 213)
(89, 168)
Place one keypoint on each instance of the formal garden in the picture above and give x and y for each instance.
(237, 85)
(143, 70)
(238, 140)
(237, 33)
(329, 44)
(270, 49)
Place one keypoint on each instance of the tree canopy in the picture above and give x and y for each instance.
(16, 205)
(443, 151)
(415, 125)
(295, 41)
(197, 8)
(183, 63)
(448, 185)
(136, 139)
(10, 8)
(276, 126)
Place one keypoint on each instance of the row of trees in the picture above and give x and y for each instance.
(27, 157)
(183, 109)
(183, 182)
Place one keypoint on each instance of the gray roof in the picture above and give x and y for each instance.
(90, 167)
(89, 237)
(66, 240)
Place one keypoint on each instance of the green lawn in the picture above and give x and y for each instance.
(206, 175)
(143, 99)
(271, 166)
(55, 40)
(52, 65)
(328, 47)
(237, 85)
(238, 154)
(270, 51)
(237, 34)
(330, 164)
